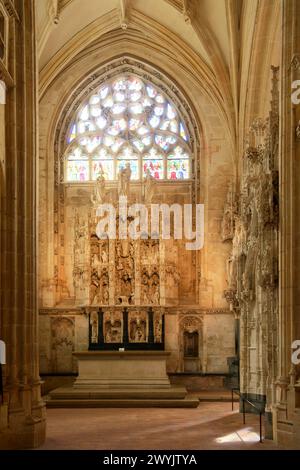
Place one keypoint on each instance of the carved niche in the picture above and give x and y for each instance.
(124, 272)
(81, 267)
(150, 286)
(138, 327)
(150, 251)
(81, 232)
(191, 343)
(113, 327)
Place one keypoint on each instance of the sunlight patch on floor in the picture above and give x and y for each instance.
(242, 435)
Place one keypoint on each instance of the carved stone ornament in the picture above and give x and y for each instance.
(252, 266)
(191, 324)
(230, 210)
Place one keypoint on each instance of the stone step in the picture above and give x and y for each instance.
(92, 393)
(213, 396)
(136, 397)
(123, 403)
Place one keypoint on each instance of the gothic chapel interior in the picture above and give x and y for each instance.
(180, 103)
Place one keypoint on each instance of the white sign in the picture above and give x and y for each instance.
(296, 353)
(2, 352)
(296, 94)
(2, 92)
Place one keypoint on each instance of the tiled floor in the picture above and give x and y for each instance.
(211, 426)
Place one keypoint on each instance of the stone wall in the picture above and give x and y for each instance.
(188, 281)
(63, 331)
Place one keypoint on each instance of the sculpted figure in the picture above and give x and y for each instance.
(149, 183)
(124, 180)
(80, 236)
(99, 193)
(104, 257)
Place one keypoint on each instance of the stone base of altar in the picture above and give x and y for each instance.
(121, 379)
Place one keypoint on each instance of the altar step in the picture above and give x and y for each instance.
(122, 403)
(172, 397)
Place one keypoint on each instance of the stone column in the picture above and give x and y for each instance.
(22, 416)
(289, 232)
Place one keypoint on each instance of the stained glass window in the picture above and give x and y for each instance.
(127, 121)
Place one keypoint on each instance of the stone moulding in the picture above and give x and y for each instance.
(165, 310)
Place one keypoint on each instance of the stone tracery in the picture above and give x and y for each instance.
(125, 125)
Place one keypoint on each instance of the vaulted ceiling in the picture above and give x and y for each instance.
(58, 21)
(217, 37)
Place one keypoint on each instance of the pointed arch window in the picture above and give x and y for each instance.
(127, 120)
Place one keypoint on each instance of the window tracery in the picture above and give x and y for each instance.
(127, 120)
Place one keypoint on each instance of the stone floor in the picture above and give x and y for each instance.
(210, 426)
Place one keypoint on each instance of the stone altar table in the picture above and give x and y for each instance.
(122, 369)
(121, 379)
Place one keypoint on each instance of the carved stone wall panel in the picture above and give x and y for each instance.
(62, 343)
(252, 267)
(45, 343)
(65, 330)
